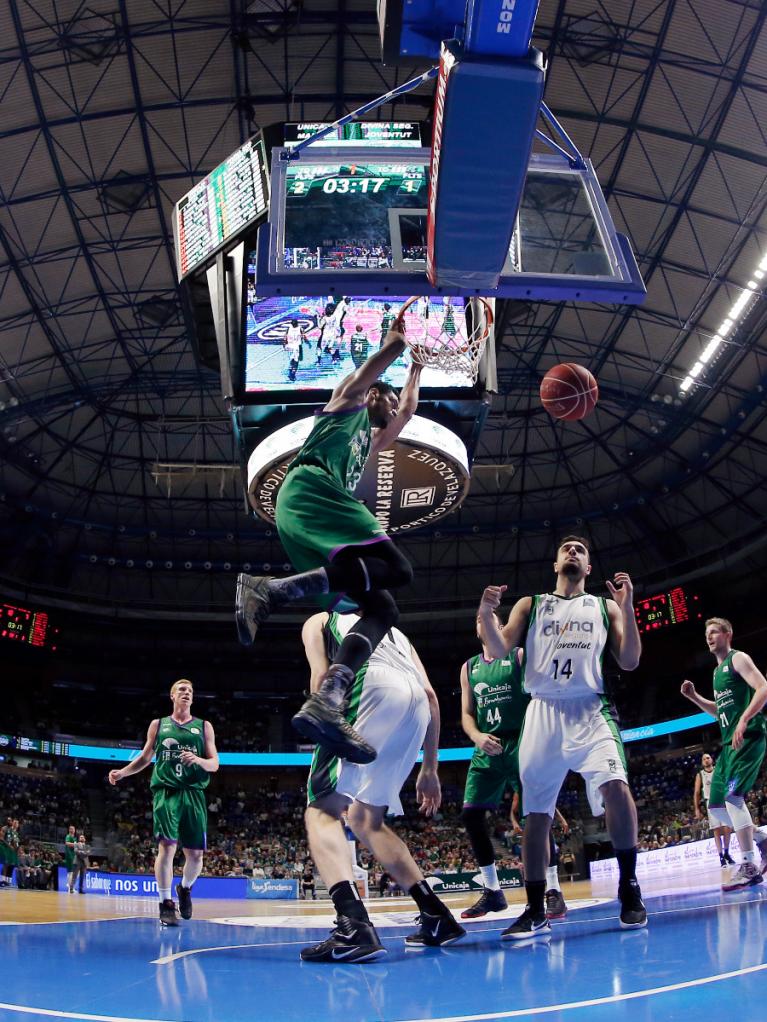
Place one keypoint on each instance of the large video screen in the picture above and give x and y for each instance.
(296, 343)
(355, 216)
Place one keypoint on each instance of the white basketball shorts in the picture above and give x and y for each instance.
(578, 734)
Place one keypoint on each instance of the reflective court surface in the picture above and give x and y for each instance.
(107, 958)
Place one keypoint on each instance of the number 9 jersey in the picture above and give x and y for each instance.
(564, 646)
(173, 739)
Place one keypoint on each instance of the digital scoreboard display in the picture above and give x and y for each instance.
(16, 743)
(358, 133)
(674, 607)
(302, 343)
(30, 627)
(218, 207)
(355, 216)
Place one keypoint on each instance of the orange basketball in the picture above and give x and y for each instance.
(568, 391)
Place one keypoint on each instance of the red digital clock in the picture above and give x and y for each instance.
(665, 609)
(30, 627)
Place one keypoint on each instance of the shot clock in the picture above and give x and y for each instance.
(675, 607)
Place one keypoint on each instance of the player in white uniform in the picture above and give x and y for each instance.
(294, 338)
(393, 706)
(570, 724)
(703, 788)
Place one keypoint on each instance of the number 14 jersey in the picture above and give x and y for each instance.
(565, 645)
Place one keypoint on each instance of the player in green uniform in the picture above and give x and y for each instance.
(740, 694)
(336, 542)
(493, 705)
(69, 857)
(184, 749)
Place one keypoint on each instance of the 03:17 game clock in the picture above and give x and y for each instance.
(674, 607)
(26, 626)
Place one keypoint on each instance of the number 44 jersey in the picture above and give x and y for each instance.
(565, 645)
(499, 701)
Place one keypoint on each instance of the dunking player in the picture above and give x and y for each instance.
(569, 724)
(740, 694)
(493, 705)
(336, 542)
(703, 779)
(185, 754)
(395, 708)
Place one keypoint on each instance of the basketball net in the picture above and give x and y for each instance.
(440, 336)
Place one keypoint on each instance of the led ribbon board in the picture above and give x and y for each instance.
(220, 206)
(414, 483)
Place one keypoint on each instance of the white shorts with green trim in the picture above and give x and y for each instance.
(578, 734)
(393, 717)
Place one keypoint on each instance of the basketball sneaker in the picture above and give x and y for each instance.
(321, 722)
(722, 860)
(184, 901)
(353, 940)
(746, 875)
(528, 927)
(253, 605)
(633, 913)
(728, 859)
(168, 914)
(762, 849)
(434, 931)
(556, 906)
(488, 901)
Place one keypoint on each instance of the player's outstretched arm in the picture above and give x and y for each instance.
(427, 786)
(141, 761)
(351, 391)
(314, 648)
(689, 692)
(384, 437)
(500, 640)
(625, 643)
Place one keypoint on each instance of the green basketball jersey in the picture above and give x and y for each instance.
(499, 699)
(339, 443)
(173, 739)
(732, 695)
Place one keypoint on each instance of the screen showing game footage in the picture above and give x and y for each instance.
(355, 216)
(303, 344)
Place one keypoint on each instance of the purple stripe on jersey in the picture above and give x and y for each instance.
(480, 805)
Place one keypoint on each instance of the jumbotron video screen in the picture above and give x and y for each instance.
(311, 343)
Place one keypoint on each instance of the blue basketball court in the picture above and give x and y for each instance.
(702, 952)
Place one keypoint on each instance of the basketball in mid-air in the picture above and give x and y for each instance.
(569, 391)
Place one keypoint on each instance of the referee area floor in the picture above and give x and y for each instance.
(98, 958)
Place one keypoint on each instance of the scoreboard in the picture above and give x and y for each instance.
(23, 625)
(17, 743)
(674, 607)
(219, 206)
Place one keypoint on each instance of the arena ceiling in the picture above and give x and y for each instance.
(111, 109)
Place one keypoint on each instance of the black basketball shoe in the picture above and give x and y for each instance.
(633, 912)
(434, 931)
(353, 940)
(488, 901)
(184, 901)
(556, 906)
(321, 722)
(254, 603)
(168, 914)
(528, 927)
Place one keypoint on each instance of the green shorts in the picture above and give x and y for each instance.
(736, 770)
(489, 776)
(316, 519)
(180, 815)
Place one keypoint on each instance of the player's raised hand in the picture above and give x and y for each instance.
(114, 776)
(622, 591)
(491, 598)
(688, 690)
